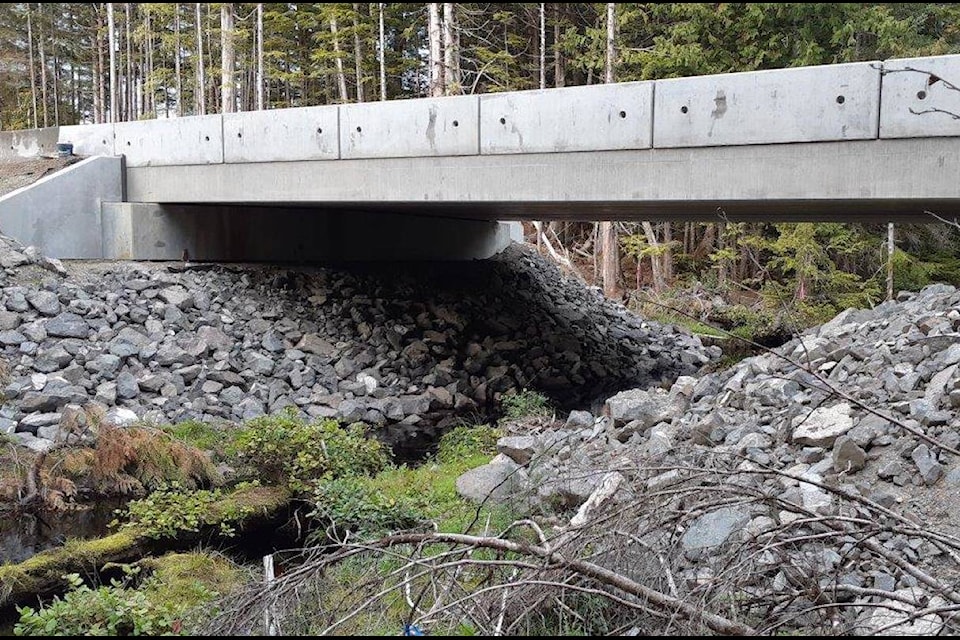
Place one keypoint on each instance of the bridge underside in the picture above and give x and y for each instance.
(871, 181)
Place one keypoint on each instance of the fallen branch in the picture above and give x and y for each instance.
(588, 569)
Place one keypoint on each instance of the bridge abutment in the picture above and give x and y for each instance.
(238, 233)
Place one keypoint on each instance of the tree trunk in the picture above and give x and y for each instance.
(101, 76)
(129, 97)
(610, 265)
(609, 242)
(667, 261)
(149, 89)
(43, 65)
(656, 257)
(341, 77)
(228, 60)
(56, 84)
(200, 100)
(381, 45)
(177, 70)
(559, 70)
(112, 43)
(33, 71)
(611, 42)
(260, 77)
(543, 45)
(357, 51)
(451, 49)
(436, 55)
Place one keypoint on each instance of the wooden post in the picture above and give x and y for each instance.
(891, 247)
(269, 625)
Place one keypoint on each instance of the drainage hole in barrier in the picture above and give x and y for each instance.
(623, 114)
(841, 99)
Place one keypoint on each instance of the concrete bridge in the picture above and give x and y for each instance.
(434, 178)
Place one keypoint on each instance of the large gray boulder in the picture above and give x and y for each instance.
(500, 481)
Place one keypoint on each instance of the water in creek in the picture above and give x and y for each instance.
(24, 535)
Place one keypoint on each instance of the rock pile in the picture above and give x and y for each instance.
(409, 348)
(856, 418)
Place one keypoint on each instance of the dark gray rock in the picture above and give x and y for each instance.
(67, 325)
(848, 457)
(272, 341)
(52, 359)
(579, 420)
(930, 470)
(520, 449)
(259, 363)
(46, 302)
(127, 386)
(170, 355)
(12, 338)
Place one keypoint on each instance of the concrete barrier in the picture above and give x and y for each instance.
(595, 118)
(306, 133)
(807, 104)
(920, 97)
(28, 143)
(410, 128)
(89, 139)
(60, 213)
(176, 141)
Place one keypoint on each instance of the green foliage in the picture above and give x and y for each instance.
(356, 504)
(466, 442)
(106, 611)
(525, 404)
(169, 511)
(197, 434)
(188, 580)
(284, 449)
(401, 497)
(161, 605)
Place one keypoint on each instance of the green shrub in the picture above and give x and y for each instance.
(285, 449)
(525, 404)
(357, 504)
(464, 442)
(106, 611)
(170, 511)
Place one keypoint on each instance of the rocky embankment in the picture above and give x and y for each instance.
(824, 472)
(407, 348)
